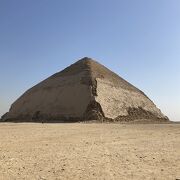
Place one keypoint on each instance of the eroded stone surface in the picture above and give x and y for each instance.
(117, 101)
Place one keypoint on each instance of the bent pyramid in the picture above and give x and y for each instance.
(85, 90)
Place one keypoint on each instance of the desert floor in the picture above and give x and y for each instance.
(89, 151)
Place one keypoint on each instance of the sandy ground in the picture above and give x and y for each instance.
(89, 151)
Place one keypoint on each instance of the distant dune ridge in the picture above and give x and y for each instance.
(84, 91)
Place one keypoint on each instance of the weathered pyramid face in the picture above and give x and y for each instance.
(85, 90)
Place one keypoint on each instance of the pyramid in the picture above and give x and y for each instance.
(84, 91)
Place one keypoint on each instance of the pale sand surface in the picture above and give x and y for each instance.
(89, 151)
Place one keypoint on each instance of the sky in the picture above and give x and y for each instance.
(137, 39)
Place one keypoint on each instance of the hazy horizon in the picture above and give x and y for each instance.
(139, 40)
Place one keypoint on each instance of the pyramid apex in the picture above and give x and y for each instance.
(86, 59)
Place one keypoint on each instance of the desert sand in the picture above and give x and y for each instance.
(89, 151)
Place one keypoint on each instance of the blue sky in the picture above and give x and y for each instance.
(138, 39)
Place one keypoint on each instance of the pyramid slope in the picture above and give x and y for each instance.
(85, 90)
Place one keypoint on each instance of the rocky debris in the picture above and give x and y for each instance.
(94, 111)
(138, 114)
